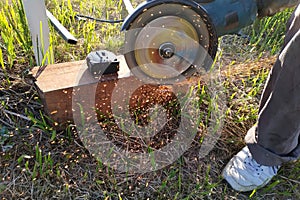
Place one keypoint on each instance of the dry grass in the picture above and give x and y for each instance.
(73, 173)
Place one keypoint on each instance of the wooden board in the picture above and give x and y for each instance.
(59, 84)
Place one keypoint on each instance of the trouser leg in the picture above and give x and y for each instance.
(293, 25)
(275, 138)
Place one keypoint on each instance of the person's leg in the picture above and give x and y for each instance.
(275, 138)
(292, 27)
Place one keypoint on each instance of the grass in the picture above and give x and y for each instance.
(37, 162)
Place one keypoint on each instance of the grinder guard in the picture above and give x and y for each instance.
(167, 40)
(208, 19)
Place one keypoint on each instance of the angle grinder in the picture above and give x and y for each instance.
(169, 39)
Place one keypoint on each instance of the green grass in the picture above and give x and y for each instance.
(15, 38)
(91, 35)
(38, 162)
(265, 36)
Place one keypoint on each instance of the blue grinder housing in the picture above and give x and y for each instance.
(227, 16)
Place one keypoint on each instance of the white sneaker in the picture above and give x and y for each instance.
(243, 173)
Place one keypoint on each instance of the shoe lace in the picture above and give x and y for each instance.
(253, 166)
(256, 168)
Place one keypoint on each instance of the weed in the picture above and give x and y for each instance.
(267, 34)
(14, 32)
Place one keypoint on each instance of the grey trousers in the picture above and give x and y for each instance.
(274, 139)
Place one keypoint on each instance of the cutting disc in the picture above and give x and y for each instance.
(169, 40)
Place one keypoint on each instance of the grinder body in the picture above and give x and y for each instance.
(230, 16)
(227, 16)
